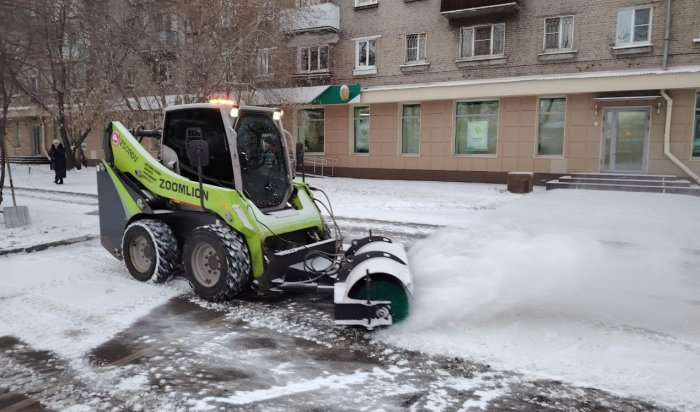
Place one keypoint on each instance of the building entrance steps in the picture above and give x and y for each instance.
(625, 182)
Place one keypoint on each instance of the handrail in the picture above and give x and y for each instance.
(322, 162)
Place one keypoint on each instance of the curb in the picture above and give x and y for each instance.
(44, 246)
(34, 189)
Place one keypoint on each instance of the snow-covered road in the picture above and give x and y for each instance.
(575, 299)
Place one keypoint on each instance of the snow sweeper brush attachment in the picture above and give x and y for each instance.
(373, 285)
(370, 281)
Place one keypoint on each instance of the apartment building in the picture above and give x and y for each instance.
(470, 90)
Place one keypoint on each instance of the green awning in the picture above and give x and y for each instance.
(337, 94)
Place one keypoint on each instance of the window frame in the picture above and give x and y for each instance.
(264, 54)
(365, 3)
(422, 35)
(324, 127)
(633, 43)
(318, 58)
(481, 56)
(454, 127)
(537, 129)
(401, 118)
(696, 130)
(352, 142)
(367, 69)
(544, 34)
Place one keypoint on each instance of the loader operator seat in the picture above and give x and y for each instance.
(262, 159)
(219, 171)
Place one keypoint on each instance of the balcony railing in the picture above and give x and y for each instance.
(459, 9)
(318, 17)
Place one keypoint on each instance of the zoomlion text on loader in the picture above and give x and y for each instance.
(221, 203)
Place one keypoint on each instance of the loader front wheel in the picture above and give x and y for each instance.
(150, 250)
(217, 262)
(384, 287)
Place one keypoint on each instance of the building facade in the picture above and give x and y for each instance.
(470, 90)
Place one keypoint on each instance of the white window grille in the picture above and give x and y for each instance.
(559, 33)
(415, 48)
(487, 40)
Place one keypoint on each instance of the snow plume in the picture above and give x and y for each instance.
(490, 272)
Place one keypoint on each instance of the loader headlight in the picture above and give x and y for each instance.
(234, 112)
(222, 101)
(277, 115)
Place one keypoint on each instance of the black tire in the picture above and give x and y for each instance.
(217, 262)
(150, 250)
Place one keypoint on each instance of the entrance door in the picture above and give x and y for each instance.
(625, 135)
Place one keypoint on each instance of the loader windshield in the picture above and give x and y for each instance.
(262, 159)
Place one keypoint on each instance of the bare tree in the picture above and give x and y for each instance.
(186, 52)
(12, 63)
(64, 77)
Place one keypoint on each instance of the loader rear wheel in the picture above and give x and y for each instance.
(384, 288)
(150, 250)
(217, 262)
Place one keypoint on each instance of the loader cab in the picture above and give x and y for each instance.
(246, 150)
(219, 171)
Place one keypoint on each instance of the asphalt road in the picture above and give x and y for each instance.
(280, 353)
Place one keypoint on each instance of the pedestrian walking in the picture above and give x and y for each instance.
(58, 161)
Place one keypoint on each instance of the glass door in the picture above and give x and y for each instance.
(625, 135)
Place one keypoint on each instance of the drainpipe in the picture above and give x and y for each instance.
(667, 139)
(667, 35)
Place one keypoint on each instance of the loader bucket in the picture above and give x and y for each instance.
(373, 287)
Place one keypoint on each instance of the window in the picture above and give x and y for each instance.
(559, 33)
(34, 82)
(313, 59)
(550, 127)
(307, 3)
(310, 123)
(477, 128)
(360, 3)
(361, 129)
(633, 26)
(365, 56)
(483, 40)
(696, 138)
(264, 62)
(415, 48)
(410, 128)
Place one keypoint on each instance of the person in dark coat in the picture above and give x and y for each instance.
(58, 161)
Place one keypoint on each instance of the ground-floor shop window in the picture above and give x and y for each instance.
(696, 138)
(311, 129)
(410, 128)
(361, 129)
(476, 131)
(550, 127)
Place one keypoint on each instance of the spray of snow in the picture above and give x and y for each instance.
(484, 273)
(602, 290)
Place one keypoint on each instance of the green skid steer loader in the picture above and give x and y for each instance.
(221, 202)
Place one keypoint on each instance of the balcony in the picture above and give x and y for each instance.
(318, 17)
(460, 9)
